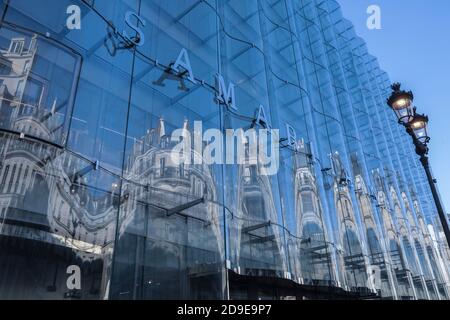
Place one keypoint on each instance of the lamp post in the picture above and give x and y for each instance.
(416, 126)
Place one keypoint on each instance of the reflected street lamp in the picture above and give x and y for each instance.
(416, 125)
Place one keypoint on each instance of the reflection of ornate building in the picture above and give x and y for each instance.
(35, 166)
(151, 166)
(259, 240)
(416, 238)
(15, 72)
(59, 200)
(354, 259)
(177, 204)
(396, 257)
(27, 104)
(409, 250)
(314, 263)
(41, 204)
(435, 259)
(377, 256)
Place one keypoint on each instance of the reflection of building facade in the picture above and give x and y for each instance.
(314, 261)
(355, 263)
(93, 204)
(162, 186)
(39, 202)
(377, 251)
(396, 258)
(259, 243)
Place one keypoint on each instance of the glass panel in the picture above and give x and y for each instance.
(37, 84)
(167, 255)
(57, 226)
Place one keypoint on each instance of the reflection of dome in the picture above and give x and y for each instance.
(150, 163)
(157, 180)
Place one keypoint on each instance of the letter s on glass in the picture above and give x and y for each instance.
(140, 39)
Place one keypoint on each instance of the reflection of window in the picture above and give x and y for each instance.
(198, 188)
(255, 206)
(11, 179)
(307, 202)
(16, 46)
(18, 179)
(162, 166)
(181, 170)
(33, 92)
(26, 67)
(5, 174)
(347, 209)
(253, 173)
(25, 176)
(5, 67)
(19, 88)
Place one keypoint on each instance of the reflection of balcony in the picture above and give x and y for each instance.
(32, 119)
(36, 150)
(255, 238)
(260, 239)
(184, 206)
(355, 261)
(256, 227)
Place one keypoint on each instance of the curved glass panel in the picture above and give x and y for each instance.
(58, 222)
(38, 78)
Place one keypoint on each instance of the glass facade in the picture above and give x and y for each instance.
(92, 206)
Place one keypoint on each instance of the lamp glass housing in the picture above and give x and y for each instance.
(419, 127)
(403, 108)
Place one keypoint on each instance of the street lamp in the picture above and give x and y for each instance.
(419, 126)
(416, 125)
(402, 103)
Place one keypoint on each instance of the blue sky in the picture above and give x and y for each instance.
(413, 46)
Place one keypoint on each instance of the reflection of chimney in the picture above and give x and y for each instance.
(161, 129)
(53, 111)
(186, 128)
